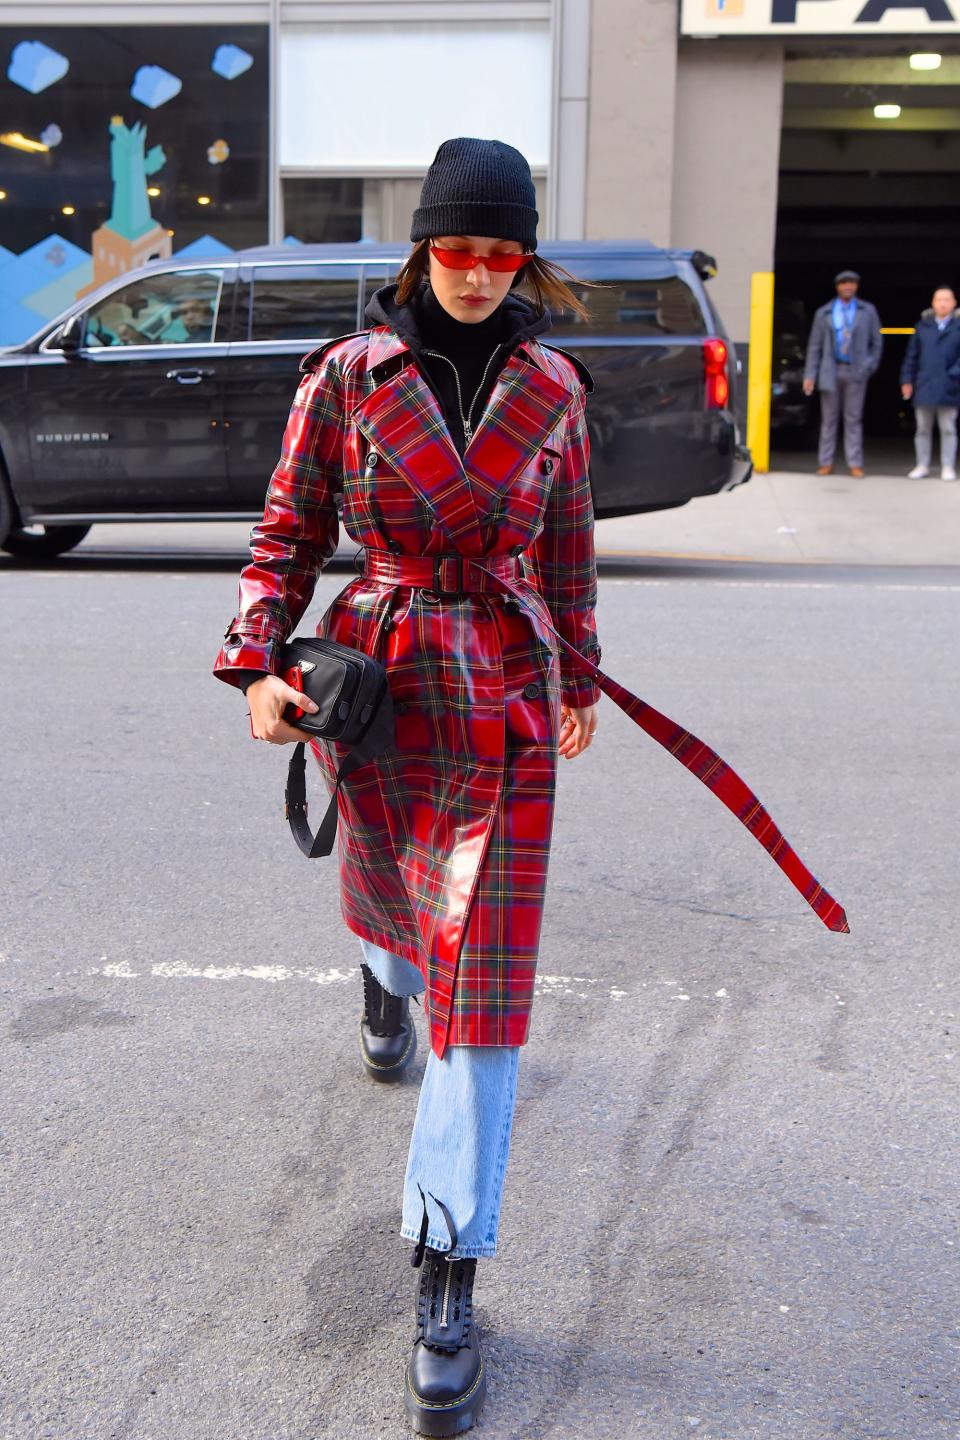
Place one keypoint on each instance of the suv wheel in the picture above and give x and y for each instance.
(42, 542)
(32, 542)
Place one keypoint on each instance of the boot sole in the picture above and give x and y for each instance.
(450, 1417)
(386, 1073)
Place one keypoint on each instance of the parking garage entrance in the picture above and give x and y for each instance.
(870, 152)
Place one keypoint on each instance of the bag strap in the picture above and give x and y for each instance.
(378, 736)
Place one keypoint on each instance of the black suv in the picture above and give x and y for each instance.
(163, 395)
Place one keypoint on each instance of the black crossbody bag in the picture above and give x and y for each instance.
(355, 708)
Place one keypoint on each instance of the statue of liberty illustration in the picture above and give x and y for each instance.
(130, 236)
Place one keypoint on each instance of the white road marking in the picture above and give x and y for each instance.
(181, 970)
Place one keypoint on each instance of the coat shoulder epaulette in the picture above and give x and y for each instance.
(584, 374)
(311, 361)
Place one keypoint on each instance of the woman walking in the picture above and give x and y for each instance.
(455, 435)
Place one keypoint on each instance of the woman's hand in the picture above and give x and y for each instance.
(578, 725)
(268, 698)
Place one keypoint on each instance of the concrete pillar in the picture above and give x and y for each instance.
(633, 66)
(566, 216)
(729, 100)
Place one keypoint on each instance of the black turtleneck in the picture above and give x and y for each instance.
(472, 348)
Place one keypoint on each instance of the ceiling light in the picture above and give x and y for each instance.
(887, 112)
(16, 141)
(3, 194)
(203, 199)
(68, 210)
(153, 190)
(925, 62)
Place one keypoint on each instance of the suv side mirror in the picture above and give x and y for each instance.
(70, 339)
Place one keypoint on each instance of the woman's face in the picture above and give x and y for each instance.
(471, 295)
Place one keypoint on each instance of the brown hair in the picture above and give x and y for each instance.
(544, 281)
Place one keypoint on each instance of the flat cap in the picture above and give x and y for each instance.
(845, 275)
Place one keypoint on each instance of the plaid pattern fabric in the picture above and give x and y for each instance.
(720, 779)
(445, 840)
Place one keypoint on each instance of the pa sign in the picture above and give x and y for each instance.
(819, 17)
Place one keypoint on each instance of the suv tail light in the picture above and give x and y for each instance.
(717, 383)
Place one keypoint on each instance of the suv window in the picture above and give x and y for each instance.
(299, 302)
(167, 308)
(649, 306)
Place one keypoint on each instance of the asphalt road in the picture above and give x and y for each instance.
(731, 1202)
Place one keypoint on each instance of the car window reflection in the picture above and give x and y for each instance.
(170, 310)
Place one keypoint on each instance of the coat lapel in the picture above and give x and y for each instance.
(526, 406)
(401, 418)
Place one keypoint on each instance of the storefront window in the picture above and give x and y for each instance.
(120, 145)
(320, 211)
(489, 77)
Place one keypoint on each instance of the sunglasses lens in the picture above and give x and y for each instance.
(464, 260)
(453, 259)
(506, 262)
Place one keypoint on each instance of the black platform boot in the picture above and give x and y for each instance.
(446, 1380)
(388, 1036)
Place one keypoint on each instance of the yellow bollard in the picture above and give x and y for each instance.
(760, 361)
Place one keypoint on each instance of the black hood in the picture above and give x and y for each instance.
(517, 316)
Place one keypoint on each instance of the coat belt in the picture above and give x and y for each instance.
(449, 574)
(502, 572)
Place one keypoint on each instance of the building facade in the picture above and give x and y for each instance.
(746, 128)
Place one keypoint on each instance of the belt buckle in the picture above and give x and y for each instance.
(438, 587)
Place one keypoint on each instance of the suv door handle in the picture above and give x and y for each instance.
(188, 377)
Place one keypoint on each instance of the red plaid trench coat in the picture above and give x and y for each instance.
(444, 840)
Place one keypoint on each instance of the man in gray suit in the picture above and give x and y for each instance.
(843, 351)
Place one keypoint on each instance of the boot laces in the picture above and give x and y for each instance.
(384, 1013)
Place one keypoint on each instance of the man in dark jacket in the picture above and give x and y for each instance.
(843, 351)
(930, 377)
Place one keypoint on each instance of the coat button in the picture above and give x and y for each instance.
(394, 546)
(372, 459)
(517, 550)
(511, 605)
(548, 466)
(531, 691)
(389, 624)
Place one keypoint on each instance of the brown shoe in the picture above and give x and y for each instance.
(825, 470)
(856, 472)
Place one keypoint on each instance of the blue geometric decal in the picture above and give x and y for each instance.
(33, 66)
(154, 86)
(205, 245)
(47, 260)
(230, 61)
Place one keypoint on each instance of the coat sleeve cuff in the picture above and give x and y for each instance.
(585, 692)
(577, 688)
(239, 654)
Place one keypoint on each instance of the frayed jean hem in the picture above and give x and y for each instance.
(459, 1252)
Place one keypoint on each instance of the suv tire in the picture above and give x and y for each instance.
(39, 542)
(44, 541)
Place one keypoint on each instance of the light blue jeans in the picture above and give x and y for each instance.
(461, 1134)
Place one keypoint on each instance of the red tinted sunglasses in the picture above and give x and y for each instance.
(466, 260)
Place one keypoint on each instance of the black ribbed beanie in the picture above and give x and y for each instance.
(477, 187)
